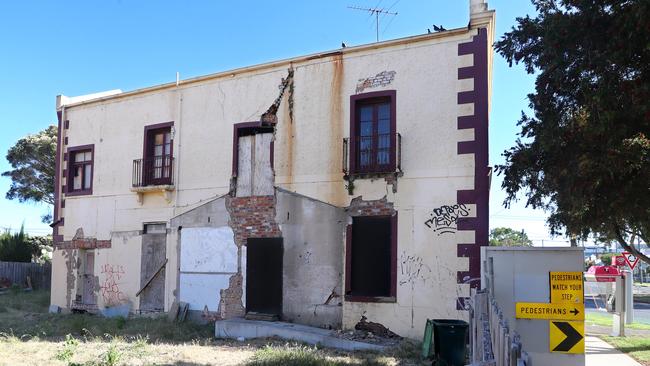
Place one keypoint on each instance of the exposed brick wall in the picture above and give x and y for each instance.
(85, 243)
(382, 79)
(250, 217)
(231, 305)
(381, 207)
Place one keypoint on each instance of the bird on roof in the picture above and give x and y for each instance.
(428, 31)
(439, 28)
(343, 45)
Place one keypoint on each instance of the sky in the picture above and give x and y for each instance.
(81, 47)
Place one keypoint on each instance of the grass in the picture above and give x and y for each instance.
(28, 332)
(25, 314)
(636, 347)
(605, 320)
(301, 355)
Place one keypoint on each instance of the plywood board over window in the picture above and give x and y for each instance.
(208, 258)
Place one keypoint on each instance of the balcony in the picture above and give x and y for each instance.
(372, 156)
(153, 174)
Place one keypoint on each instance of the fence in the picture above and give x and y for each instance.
(16, 272)
(491, 342)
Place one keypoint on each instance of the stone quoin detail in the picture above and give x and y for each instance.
(478, 196)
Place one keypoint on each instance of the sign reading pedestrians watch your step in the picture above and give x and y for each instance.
(567, 337)
(537, 310)
(566, 287)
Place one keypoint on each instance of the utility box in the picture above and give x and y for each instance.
(549, 321)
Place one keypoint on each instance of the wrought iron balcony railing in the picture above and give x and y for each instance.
(153, 171)
(376, 154)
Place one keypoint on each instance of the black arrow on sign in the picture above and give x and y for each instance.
(572, 337)
(575, 312)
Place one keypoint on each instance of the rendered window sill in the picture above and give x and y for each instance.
(382, 299)
(165, 189)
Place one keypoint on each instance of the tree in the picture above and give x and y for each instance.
(606, 259)
(33, 159)
(584, 155)
(507, 237)
(15, 247)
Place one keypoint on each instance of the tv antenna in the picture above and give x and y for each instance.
(375, 12)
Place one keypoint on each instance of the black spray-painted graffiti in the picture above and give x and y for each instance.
(444, 220)
(413, 269)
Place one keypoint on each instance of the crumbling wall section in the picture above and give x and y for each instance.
(380, 207)
(250, 217)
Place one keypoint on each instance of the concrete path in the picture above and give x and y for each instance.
(600, 353)
(248, 329)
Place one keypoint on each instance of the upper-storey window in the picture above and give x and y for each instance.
(158, 156)
(373, 133)
(80, 170)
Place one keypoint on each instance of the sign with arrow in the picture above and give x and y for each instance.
(567, 337)
(562, 311)
(630, 259)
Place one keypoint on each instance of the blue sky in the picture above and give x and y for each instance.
(82, 47)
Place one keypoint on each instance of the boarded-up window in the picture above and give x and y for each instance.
(371, 257)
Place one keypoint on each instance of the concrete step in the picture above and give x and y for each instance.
(248, 329)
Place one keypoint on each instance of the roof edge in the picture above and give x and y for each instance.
(262, 66)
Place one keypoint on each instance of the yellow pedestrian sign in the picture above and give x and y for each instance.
(566, 287)
(567, 337)
(563, 311)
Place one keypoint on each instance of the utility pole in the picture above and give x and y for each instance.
(375, 12)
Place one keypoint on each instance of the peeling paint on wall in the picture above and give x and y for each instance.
(384, 78)
(72, 264)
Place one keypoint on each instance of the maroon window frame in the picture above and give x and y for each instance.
(72, 170)
(157, 168)
(371, 148)
(246, 129)
(392, 296)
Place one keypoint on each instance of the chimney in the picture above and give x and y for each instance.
(479, 14)
(477, 7)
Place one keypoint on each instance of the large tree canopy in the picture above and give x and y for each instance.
(584, 155)
(33, 160)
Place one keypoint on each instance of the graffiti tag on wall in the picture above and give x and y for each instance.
(413, 269)
(444, 219)
(110, 288)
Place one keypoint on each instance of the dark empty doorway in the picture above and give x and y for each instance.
(371, 257)
(264, 276)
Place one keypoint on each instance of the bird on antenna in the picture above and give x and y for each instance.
(439, 28)
(343, 45)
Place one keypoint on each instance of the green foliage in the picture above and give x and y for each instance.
(33, 162)
(15, 247)
(42, 247)
(507, 237)
(606, 259)
(584, 153)
(69, 347)
(112, 356)
(20, 247)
